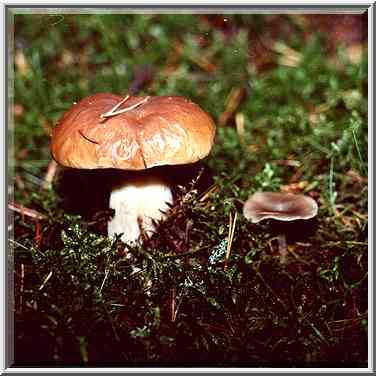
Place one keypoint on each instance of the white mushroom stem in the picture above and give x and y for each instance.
(137, 202)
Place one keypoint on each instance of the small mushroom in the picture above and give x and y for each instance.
(134, 134)
(280, 207)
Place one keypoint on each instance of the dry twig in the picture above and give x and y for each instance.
(46, 280)
(233, 101)
(25, 211)
(230, 236)
(173, 305)
(50, 175)
(114, 112)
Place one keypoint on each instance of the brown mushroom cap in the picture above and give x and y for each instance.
(281, 206)
(161, 131)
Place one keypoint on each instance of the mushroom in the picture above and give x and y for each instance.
(134, 134)
(281, 207)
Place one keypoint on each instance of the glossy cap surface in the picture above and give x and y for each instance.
(165, 130)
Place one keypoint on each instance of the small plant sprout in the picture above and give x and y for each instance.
(99, 133)
(281, 207)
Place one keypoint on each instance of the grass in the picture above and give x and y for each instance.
(208, 289)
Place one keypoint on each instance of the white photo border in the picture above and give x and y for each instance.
(167, 6)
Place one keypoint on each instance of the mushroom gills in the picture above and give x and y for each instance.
(138, 201)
